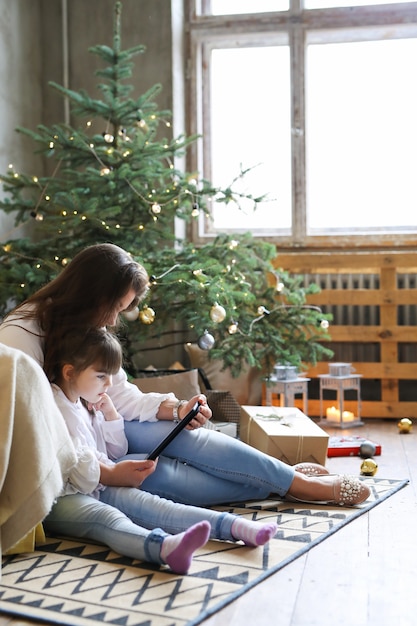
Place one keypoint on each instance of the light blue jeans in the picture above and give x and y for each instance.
(130, 521)
(204, 467)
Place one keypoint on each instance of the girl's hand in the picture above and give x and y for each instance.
(128, 473)
(106, 406)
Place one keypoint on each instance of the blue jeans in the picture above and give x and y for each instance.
(204, 467)
(130, 521)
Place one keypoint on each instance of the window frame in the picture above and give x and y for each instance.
(297, 25)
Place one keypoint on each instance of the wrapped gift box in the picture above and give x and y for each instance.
(284, 433)
(349, 446)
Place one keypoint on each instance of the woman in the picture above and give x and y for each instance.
(201, 466)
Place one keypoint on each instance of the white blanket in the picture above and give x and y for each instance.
(36, 452)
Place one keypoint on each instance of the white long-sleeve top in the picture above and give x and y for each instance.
(95, 440)
(130, 402)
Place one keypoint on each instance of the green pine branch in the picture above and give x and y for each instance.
(115, 179)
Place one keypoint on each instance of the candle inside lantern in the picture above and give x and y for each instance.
(333, 415)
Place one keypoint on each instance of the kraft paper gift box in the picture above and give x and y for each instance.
(284, 433)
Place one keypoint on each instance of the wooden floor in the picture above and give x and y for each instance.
(363, 575)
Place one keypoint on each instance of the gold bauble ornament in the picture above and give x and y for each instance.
(217, 313)
(405, 425)
(147, 315)
(369, 467)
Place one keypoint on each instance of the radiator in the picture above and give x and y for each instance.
(365, 315)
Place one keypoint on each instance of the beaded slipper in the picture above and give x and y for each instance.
(351, 491)
(311, 469)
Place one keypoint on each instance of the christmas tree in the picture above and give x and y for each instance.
(114, 179)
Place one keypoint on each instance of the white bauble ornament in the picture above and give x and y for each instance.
(132, 315)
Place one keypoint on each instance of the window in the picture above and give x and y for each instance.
(318, 104)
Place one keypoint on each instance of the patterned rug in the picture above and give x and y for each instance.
(73, 583)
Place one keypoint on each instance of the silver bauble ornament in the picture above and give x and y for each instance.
(206, 341)
(367, 449)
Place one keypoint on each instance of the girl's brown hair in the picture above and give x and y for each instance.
(82, 348)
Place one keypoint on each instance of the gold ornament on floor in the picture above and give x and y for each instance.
(369, 467)
(405, 425)
(147, 315)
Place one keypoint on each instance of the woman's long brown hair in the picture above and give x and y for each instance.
(87, 290)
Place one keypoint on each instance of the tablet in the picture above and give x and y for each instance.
(174, 432)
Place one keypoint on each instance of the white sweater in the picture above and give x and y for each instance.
(94, 438)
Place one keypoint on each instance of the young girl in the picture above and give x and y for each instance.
(201, 466)
(132, 522)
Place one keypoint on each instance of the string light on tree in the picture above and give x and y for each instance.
(279, 286)
(143, 125)
(36, 216)
(153, 280)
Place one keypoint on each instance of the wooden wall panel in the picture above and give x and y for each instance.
(389, 370)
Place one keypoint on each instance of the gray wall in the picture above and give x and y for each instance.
(20, 87)
(89, 23)
(43, 40)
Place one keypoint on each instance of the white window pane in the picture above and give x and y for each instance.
(250, 128)
(361, 126)
(325, 4)
(230, 7)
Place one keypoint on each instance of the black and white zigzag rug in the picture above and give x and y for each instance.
(70, 582)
